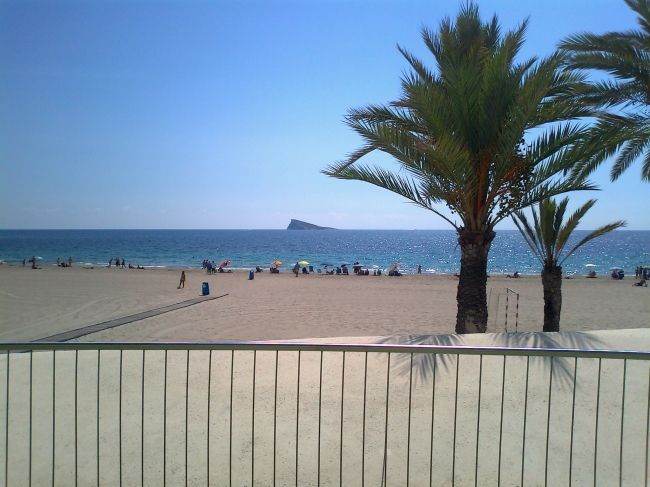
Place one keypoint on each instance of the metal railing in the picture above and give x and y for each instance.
(321, 414)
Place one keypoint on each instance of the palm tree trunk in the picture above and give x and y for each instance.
(472, 313)
(552, 283)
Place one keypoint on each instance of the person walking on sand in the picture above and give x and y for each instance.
(182, 283)
(70, 262)
(419, 269)
(296, 269)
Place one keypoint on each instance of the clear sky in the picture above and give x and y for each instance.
(182, 114)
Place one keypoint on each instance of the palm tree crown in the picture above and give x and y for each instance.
(549, 234)
(457, 133)
(626, 57)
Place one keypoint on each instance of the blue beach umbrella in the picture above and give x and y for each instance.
(327, 263)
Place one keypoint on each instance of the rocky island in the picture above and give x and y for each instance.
(299, 225)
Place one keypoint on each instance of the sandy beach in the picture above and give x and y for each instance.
(410, 309)
(40, 303)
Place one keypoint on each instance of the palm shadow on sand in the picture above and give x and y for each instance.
(563, 367)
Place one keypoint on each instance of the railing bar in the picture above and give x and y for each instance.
(596, 430)
(275, 416)
(320, 405)
(142, 424)
(548, 422)
(7, 427)
(208, 425)
(384, 473)
(165, 423)
(253, 423)
(76, 422)
(523, 449)
(232, 371)
(53, 409)
(187, 403)
(332, 347)
(620, 459)
(119, 414)
(647, 431)
(573, 415)
(297, 415)
(342, 398)
(408, 434)
(433, 413)
(453, 463)
(363, 428)
(478, 419)
(31, 388)
(503, 392)
(98, 376)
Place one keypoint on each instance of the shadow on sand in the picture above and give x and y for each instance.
(563, 367)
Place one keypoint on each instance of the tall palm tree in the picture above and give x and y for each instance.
(457, 134)
(547, 238)
(626, 57)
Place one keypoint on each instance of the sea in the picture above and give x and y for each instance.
(437, 251)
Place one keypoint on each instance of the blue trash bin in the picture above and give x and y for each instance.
(251, 275)
(206, 289)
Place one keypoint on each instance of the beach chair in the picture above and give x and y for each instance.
(318, 271)
(338, 270)
(311, 268)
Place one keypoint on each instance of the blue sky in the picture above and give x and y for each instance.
(181, 114)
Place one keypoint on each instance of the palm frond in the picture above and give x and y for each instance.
(595, 234)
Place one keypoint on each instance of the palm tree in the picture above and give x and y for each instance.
(457, 134)
(547, 238)
(625, 56)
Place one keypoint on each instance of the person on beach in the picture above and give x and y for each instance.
(419, 269)
(58, 262)
(182, 283)
(23, 262)
(70, 262)
(296, 269)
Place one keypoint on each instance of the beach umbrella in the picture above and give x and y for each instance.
(277, 262)
(303, 262)
(591, 265)
(395, 266)
(375, 267)
(344, 263)
(616, 269)
(224, 263)
(327, 263)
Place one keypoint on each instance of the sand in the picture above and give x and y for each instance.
(411, 309)
(39, 303)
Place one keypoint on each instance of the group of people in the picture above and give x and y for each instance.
(212, 268)
(67, 263)
(118, 264)
(641, 272)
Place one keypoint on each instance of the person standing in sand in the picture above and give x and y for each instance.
(70, 262)
(182, 283)
(296, 269)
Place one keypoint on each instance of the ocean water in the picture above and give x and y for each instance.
(436, 250)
